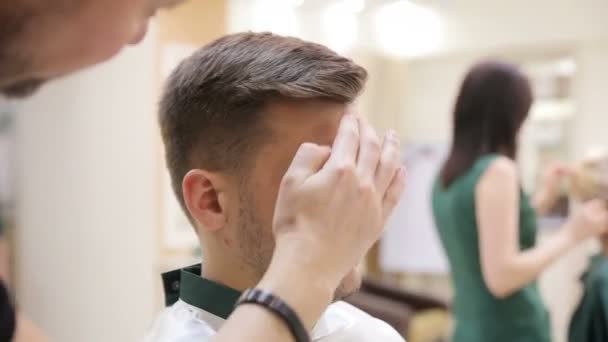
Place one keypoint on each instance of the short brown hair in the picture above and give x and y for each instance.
(212, 103)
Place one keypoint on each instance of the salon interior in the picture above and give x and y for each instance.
(89, 236)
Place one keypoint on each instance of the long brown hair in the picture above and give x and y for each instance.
(493, 103)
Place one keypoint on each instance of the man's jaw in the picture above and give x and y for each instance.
(349, 285)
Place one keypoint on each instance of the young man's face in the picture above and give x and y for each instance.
(292, 123)
(59, 40)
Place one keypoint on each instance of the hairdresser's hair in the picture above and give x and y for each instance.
(493, 103)
(213, 103)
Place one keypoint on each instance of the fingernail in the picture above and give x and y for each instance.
(402, 171)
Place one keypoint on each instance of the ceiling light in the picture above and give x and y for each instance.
(404, 29)
(339, 27)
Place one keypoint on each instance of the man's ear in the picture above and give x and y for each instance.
(204, 199)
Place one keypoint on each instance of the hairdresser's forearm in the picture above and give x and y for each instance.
(253, 323)
(296, 282)
(27, 331)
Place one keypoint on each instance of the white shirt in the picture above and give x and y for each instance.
(341, 322)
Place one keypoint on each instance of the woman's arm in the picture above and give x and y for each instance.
(505, 268)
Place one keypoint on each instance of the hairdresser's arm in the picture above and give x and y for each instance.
(330, 209)
(505, 268)
(299, 286)
(27, 331)
(549, 188)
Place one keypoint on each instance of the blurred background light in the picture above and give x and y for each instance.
(277, 16)
(339, 24)
(404, 29)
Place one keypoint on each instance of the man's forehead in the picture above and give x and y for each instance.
(306, 120)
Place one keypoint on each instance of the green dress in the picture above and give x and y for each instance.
(479, 316)
(590, 320)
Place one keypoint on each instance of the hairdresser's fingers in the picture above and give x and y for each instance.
(344, 151)
(393, 192)
(389, 161)
(369, 152)
(308, 160)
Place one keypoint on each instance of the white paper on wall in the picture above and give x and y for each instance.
(410, 242)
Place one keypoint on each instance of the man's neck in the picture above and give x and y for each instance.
(228, 270)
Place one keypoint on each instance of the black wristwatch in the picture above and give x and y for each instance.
(279, 308)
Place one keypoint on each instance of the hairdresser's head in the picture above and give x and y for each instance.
(45, 39)
(493, 103)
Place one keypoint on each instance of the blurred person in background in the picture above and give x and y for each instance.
(41, 40)
(488, 225)
(589, 320)
(232, 118)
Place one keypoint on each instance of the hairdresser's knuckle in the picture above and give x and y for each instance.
(346, 170)
(289, 180)
(373, 144)
(366, 189)
(307, 147)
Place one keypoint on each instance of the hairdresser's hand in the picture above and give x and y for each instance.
(332, 204)
(551, 180)
(336, 207)
(27, 331)
(589, 220)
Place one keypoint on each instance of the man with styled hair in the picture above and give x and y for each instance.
(41, 40)
(232, 117)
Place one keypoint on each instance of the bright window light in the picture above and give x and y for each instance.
(404, 29)
(354, 6)
(277, 16)
(296, 3)
(339, 27)
(566, 67)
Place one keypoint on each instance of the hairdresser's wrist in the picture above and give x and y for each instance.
(569, 235)
(543, 200)
(293, 278)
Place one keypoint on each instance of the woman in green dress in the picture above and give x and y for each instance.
(486, 223)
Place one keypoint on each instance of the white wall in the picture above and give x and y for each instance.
(589, 126)
(428, 94)
(86, 192)
(480, 24)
